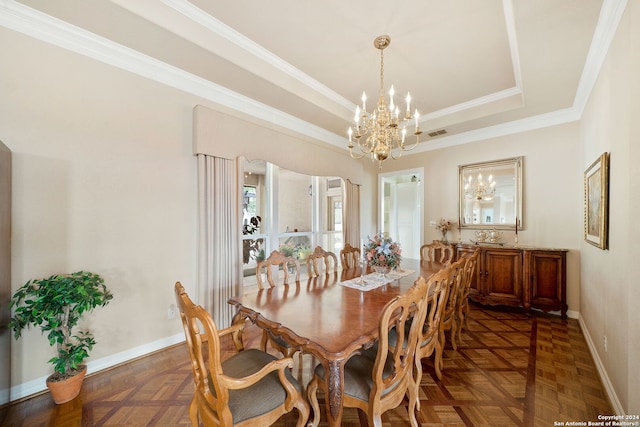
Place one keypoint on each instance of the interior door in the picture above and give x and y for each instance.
(400, 209)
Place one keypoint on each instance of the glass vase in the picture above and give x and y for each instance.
(381, 270)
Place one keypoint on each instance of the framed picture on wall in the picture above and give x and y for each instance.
(596, 202)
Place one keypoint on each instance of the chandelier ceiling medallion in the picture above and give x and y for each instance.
(479, 189)
(381, 134)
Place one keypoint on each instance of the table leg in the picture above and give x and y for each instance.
(239, 317)
(334, 390)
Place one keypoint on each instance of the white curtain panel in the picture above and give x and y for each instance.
(219, 264)
(351, 213)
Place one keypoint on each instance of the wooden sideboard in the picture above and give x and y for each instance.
(519, 276)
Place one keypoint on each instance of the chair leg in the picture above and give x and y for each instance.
(459, 323)
(303, 413)
(439, 350)
(312, 395)
(193, 413)
(466, 317)
(417, 377)
(414, 392)
(454, 326)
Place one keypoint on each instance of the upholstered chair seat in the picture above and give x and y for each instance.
(243, 403)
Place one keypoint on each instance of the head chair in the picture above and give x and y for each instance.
(249, 388)
(436, 251)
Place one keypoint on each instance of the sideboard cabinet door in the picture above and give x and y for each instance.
(502, 276)
(546, 273)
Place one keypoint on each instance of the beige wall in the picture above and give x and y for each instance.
(610, 292)
(104, 179)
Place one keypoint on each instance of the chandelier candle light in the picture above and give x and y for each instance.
(478, 189)
(384, 130)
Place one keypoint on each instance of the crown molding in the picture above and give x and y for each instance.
(610, 15)
(553, 118)
(28, 21)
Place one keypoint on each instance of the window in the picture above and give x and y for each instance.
(288, 211)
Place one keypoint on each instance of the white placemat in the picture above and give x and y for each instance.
(375, 280)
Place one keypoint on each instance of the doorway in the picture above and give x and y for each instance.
(400, 208)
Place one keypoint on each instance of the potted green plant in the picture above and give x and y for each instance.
(55, 305)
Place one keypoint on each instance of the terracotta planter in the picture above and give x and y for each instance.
(64, 391)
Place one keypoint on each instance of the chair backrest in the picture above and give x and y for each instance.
(467, 278)
(349, 256)
(438, 293)
(436, 251)
(457, 274)
(277, 262)
(201, 332)
(318, 258)
(399, 313)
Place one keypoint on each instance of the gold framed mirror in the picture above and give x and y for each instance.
(490, 194)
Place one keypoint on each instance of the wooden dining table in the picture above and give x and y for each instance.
(326, 319)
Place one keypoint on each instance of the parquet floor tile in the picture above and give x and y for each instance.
(509, 370)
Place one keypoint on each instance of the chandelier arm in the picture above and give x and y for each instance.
(395, 157)
(412, 146)
(355, 156)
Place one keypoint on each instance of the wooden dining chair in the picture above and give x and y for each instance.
(379, 378)
(277, 262)
(349, 256)
(448, 318)
(436, 251)
(321, 261)
(249, 388)
(462, 302)
(428, 341)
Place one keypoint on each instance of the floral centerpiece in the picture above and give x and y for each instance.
(381, 251)
(444, 225)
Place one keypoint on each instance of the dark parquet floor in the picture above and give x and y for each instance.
(510, 370)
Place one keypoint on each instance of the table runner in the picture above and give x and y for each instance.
(375, 280)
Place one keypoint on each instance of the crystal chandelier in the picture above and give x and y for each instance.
(382, 133)
(479, 189)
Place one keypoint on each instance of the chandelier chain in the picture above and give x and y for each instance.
(381, 93)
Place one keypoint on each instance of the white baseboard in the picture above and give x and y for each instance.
(571, 314)
(608, 387)
(39, 384)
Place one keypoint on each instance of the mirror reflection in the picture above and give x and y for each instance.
(490, 194)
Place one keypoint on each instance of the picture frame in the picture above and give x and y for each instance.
(596, 202)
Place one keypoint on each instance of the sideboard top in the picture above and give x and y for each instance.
(488, 245)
